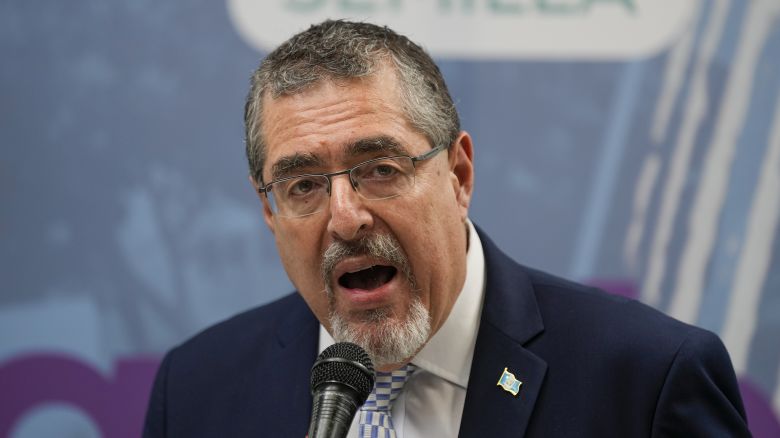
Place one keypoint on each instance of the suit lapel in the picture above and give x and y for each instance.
(510, 319)
(295, 352)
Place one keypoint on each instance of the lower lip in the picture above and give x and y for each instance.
(362, 298)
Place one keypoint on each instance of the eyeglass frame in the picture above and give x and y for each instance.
(426, 156)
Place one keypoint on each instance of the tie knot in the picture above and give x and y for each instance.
(387, 388)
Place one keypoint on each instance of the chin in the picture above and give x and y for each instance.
(386, 339)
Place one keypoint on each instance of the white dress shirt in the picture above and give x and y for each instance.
(431, 404)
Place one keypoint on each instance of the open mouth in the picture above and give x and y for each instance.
(369, 278)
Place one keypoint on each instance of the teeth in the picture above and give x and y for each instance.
(361, 269)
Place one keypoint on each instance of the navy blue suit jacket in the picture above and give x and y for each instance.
(592, 365)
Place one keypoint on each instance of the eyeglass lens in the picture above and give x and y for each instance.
(381, 178)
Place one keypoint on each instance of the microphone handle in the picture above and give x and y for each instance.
(334, 407)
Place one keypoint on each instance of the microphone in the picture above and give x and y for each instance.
(341, 380)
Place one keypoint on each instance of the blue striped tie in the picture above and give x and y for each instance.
(375, 421)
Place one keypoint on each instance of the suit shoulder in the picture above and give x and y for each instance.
(611, 318)
(258, 359)
(244, 331)
(571, 311)
(252, 320)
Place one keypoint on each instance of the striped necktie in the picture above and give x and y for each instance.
(375, 421)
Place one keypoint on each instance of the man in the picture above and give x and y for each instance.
(365, 178)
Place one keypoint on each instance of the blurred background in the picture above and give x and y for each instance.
(633, 145)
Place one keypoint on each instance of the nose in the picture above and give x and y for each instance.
(349, 218)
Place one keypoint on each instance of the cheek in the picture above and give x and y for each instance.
(300, 256)
(428, 226)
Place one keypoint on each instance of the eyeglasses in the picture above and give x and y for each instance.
(380, 178)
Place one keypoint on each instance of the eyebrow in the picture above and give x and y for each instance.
(290, 164)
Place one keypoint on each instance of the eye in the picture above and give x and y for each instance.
(304, 186)
(381, 170)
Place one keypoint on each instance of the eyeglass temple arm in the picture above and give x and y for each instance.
(429, 154)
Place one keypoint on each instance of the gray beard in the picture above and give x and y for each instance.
(386, 340)
(386, 337)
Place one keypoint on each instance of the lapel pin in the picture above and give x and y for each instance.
(509, 382)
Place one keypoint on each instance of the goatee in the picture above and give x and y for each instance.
(387, 337)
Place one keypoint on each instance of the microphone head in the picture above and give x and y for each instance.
(347, 364)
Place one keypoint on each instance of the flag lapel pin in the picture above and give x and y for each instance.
(509, 382)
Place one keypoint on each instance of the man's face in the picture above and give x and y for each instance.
(367, 292)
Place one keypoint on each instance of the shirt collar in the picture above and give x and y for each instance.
(449, 352)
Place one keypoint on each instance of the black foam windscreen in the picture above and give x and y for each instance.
(344, 363)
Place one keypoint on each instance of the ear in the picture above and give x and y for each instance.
(461, 160)
(268, 216)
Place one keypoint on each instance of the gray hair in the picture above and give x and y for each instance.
(340, 49)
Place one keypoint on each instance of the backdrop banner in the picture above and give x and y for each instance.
(633, 145)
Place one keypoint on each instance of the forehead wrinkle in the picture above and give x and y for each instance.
(287, 165)
(336, 107)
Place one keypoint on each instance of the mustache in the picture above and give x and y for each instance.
(380, 246)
